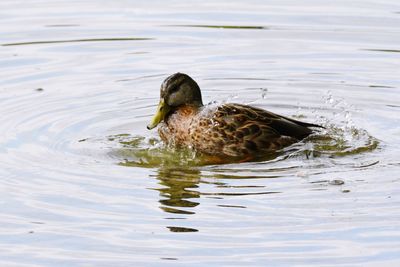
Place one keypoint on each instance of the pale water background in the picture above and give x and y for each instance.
(83, 183)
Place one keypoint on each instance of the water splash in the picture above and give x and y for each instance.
(341, 141)
(342, 112)
(264, 92)
(341, 137)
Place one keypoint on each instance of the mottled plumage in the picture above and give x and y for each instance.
(227, 130)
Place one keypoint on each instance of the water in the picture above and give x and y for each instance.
(83, 183)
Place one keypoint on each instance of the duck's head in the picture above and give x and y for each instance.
(176, 90)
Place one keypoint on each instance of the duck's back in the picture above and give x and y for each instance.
(238, 130)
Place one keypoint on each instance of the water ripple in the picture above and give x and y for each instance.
(83, 183)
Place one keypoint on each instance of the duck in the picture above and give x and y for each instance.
(224, 131)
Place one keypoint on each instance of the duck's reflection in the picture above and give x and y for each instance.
(178, 192)
(177, 184)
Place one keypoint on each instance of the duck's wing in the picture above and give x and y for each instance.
(239, 130)
(242, 114)
(247, 130)
(254, 137)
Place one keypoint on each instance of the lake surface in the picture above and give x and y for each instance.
(84, 183)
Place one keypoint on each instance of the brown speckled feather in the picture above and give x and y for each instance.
(233, 130)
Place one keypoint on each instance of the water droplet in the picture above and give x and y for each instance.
(264, 92)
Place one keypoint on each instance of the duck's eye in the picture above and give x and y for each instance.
(174, 89)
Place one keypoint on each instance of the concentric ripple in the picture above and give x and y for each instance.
(84, 183)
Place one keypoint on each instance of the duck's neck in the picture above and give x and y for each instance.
(177, 125)
(184, 112)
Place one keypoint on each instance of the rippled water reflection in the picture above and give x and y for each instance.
(83, 183)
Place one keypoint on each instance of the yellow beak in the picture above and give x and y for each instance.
(162, 111)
